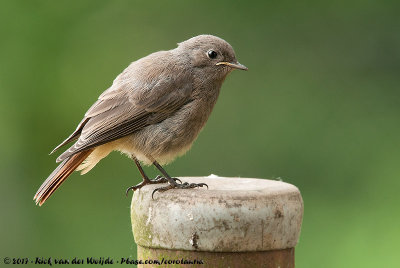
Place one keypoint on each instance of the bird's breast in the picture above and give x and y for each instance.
(173, 136)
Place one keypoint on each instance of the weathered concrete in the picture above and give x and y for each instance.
(233, 215)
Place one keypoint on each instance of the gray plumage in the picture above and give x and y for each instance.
(155, 108)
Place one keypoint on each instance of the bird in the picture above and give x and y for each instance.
(152, 113)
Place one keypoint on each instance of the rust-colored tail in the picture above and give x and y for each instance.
(59, 175)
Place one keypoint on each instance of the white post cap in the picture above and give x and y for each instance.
(233, 215)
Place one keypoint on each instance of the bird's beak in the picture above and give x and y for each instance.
(235, 65)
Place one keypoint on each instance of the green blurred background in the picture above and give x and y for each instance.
(319, 108)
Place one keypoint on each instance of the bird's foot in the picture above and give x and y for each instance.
(184, 185)
(158, 179)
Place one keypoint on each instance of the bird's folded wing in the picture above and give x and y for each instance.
(122, 110)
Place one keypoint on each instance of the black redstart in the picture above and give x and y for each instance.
(153, 112)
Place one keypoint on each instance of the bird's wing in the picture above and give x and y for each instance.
(73, 136)
(125, 108)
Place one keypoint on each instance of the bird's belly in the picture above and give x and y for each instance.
(166, 140)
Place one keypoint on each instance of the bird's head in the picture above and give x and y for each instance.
(212, 54)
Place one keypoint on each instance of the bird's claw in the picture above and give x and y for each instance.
(184, 185)
(134, 188)
(158, 179)
(187, 185)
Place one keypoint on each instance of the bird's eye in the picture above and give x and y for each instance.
(212, 54)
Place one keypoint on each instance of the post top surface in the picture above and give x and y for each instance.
(216, 183)
(227, 187)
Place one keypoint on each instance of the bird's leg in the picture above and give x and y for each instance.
(146, 179)
(172, 182)
(166, 177)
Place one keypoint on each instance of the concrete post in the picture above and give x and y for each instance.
(237, 222)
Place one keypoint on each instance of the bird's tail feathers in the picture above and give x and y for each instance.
(59, 175)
